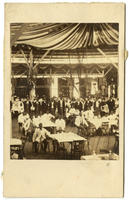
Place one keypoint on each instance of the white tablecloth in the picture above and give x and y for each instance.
(67, 137)
(98, 121)
(100, 157)
(15, 141)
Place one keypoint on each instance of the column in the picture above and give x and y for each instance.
(54, 87)
(109, 91)
(13, 85)
(76, 90)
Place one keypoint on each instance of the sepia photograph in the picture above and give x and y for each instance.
(64, 91)
(64, 87)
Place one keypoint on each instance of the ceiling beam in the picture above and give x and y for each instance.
(108, 71)
(88, 60)
(41, 59)
(25, 58)
(114, 64)
(61, 76)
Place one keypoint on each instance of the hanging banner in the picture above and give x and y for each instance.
(94, 87)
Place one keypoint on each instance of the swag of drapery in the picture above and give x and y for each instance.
(59, 36)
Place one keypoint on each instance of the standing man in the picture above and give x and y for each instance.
(40, 108)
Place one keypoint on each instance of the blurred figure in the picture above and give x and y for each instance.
(60, 124)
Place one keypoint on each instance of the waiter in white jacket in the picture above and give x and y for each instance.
(60, 124)
(39, 138)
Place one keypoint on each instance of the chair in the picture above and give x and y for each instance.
(61, 152)
(79, 131)
(105, 128)
(78, 150)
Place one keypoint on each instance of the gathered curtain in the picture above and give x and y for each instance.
(63, 36)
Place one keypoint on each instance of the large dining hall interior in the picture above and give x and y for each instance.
(64, 102)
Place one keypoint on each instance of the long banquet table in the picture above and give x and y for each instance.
(67, 137)
(67, 140)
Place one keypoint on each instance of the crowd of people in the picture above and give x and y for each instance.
(91, 116)
(63, 105)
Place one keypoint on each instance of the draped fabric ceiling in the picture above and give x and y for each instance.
(67, 39)
(64, 36)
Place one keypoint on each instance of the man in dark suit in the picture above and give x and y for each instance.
(111, 105)
(52, 106)
(61, 107)
(44, 106)
(86, 105)
(78, 105)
